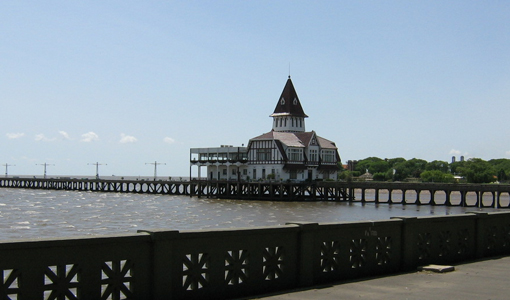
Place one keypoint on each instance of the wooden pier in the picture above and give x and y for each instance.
(466, 195)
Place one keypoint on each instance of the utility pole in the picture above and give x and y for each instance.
(45, 165)
(6, 166)
(155, 168)
(97, 168)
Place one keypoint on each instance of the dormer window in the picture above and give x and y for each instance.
(295, 101)
(282, 101)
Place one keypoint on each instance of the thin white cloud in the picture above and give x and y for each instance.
(507, 153)
(42, 138)
(64, 135)
(89, 137)
(455, 152)
(16, 135)
(127, 138)
(168, 140)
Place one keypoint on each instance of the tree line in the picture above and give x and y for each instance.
(473, 170)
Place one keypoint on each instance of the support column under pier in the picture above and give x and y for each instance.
(417, 201)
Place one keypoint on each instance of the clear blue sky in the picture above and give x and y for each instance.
(125, 83)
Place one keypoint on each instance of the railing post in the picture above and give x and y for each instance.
(481, 244)
(307, 251)
(163, 263)
(408, 243)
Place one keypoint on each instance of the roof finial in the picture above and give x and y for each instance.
(289, 70)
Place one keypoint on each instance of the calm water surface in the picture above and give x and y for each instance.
(27, 213)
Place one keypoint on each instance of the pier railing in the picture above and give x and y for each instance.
(465, 195)
(222, 264)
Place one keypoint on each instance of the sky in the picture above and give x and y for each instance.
(129, 83)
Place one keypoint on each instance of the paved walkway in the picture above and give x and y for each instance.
(486, 279)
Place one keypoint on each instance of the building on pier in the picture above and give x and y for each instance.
(287, 152)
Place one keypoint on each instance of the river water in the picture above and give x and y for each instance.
(28, 213)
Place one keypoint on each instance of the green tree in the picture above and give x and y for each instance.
(477, 170)
(415, 166)
(502, 175)
(380, 176)
(363, 165)
(393, 161)
(347, 175)
(436, 176)
(502, 165)
(455, 167)
(438, 165)
(379, 167)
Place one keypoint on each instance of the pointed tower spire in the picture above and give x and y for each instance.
(288, 115)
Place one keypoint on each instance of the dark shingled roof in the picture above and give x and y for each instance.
(288, 103)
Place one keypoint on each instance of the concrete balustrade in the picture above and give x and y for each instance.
(219, 264)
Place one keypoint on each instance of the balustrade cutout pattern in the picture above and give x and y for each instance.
(383, 250)
(61, 282)
(237, 265)
(273, 262)
(195, 271)
(9, 284)
(116, 280)
(330, 256)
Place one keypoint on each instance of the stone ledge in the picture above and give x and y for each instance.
(437, 268)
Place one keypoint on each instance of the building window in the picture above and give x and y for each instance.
(264, 154)
(245, 172)
(314, 155)
(224, 171)
(295, 154)
(293, 174)
(233, 171)
(328, 156)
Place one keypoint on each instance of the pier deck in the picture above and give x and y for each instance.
(466, 195)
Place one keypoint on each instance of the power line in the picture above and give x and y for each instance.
(6, 166)
(97, 168)
(155, 168)
(45, 165)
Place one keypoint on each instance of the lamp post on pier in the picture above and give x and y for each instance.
(6, 166)
(97, 168)
(45, 165)
(155, 168)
